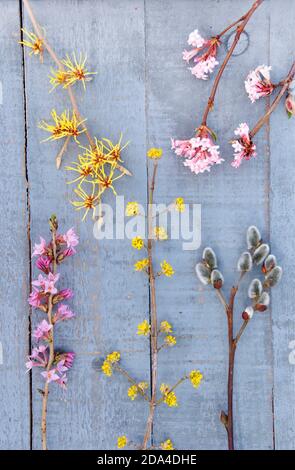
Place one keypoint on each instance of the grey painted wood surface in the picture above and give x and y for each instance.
(144, 89)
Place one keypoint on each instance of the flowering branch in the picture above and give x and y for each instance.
(150, 328)
(207, 272)
(45, 297)
(95, 168)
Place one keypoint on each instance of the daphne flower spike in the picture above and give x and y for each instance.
(47, 298)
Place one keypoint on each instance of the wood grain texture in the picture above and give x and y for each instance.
(14, 271)
(143, 88)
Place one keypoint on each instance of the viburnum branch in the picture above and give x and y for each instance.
(39, 32)
(240, 28)
(285, 85)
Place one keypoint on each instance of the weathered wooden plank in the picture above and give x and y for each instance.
(109, 298)
(231, 200)
(14, 319)
(282, 147)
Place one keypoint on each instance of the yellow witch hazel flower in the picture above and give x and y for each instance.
(196, 377)
(179, 204)
(165, 327)
(141, 264)
(170, 340)
(88, 201)
(137, 243)
(75, 70)
(33, 42)
(82, 168)
(160, 233)
(167, 269)
(143, 329)
(155, 153)
(122, 442)
(132, 208)
(169, 397)
(167, 445)
(63, 126)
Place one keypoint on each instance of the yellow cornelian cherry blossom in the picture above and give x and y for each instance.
(137, 243)
(33, 42)
(155, 153)
(144, 328)
(179, 204)
(167, 269)
(168, 397)
(165, 327)
(113, 357)
(107, 368)
(167, 445)
(170, 340)
(63, 126)
(141, 264)
(132, 392)
(196, 378)
(160, 233)
(76, 70)
(122, 442)
(132, 208)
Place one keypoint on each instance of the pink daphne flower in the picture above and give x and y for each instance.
(70, 238)
(200, 153)
(47, 284)
(50, 375)
(65, 361)
(35, 298)
(43, 263)
(39, 249)
(205, 61)
(42, 331)
(63, 313)
(244, 149)
(258, 83)
(38, 358)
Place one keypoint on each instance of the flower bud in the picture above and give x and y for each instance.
(273, 277)
(290, 105)
(260, 253)
(253, 237)
(248, 313)
(263, 302)
(210, 258)
(203, 273)
(245, 262)
(269, 263)
(255, 289)
(217, 279)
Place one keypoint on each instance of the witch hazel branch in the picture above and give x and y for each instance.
(160, 333)
(46, 298)
(258, 254)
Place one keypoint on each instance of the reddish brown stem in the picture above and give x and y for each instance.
(154, 322)
(285, 84)
(240, 28)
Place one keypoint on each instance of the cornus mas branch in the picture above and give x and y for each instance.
(40, 34)
(208, 273)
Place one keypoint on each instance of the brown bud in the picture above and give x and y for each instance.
(247, 313)
(290, 105)
(217, 284)
(245, 316)
(53, 223)
(260, 307)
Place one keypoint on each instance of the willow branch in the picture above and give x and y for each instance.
(240, 28)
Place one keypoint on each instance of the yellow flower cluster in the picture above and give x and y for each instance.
(63, 126)
(179, 204)
(167, 269)
(170, 340)
(32, 42)
(137, 243)
(165, 327)
(135, 389)
(195, 378)
(167, 445)
(155, 153)
(144, 328)
(109, 360)
(141, 264)
(72, 71)
(168, 397)
(160, 233)
(122, 442)
(132, 208)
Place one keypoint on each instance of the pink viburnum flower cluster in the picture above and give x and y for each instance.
(200, 152)
(203, 53)
(46, 297)
(258, 83)
(244, 149)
